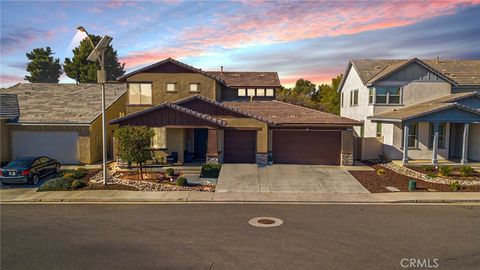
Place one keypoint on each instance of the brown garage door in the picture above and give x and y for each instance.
(307, 147)
(239, 146)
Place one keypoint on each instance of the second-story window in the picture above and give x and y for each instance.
(354, 98)
(251, 92)
(140, 93)
(370, 96)
(270, 93)
(194, 87)
(260, 92)
(171, 87)
(341, 100)
(387, 95)
(242, 92)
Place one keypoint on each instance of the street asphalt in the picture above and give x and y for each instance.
(218, 236)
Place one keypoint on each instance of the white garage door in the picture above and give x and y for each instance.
(61, 145)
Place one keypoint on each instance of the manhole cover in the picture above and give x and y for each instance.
(265, 222)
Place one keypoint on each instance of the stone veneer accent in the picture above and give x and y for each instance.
(212, 160)
(262, 159)
(347, 159)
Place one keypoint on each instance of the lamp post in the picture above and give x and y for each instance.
(98, 55)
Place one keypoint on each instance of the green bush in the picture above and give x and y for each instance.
(69, 175)
(210, 170)
(445, 170)
(77, 174)
(169, 172)
(431, 175)
(381, 172)
(455, 186)
(181, 181)
(78, 184)
(57, 184)
(467, 171)
(427, 168)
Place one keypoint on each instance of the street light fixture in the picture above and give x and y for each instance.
(98, 55)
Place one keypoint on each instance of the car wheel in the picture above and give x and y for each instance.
(35, 179)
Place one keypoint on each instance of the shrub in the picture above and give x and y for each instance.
(467, 171)
(381, 172)
(427, 168)
(210, 170)
(78, 184)
(80, 173)
(455, 186)
(445, 170)
(181, 181)
(169, 172)
(56, 184)
(431, 175)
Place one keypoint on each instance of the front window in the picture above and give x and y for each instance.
(242, 92)
(140, 93)
(387, 95)
(251, 92)
(354, 98)
(170, 87)
(379, 130)
(441, 135)
(159, 140)
(260, 92)
(194, 87)
(270, 93)
(412, 135)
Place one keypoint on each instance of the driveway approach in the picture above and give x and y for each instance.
(287, 179)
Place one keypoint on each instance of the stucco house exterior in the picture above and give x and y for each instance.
(62, 121)
(230, 117)
(414, 109)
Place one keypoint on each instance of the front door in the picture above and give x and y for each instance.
(200, 143)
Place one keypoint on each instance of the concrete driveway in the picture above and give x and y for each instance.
(287, 179)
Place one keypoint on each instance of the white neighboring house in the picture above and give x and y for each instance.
(430, 108)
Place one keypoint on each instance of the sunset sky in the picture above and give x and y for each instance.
(311, 40)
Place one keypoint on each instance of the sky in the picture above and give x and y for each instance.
(313, 40)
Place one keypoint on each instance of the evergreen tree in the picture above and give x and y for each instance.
(84, 71)
(43, 68)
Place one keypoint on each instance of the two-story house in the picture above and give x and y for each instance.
(230, 117)
(414, 109)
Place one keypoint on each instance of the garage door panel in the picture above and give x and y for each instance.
(307, 147)
(239, 146)
(59, 145)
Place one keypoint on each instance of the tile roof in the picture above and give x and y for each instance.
(230, 79)
(8, 106)
(248, 78)
(175, 107)
(52, 103)
(424, 108)
(462, 72)
(286, 114)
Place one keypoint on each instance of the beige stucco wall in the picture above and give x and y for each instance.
(113, 112)
(418, 91)
(4, 142)
(208, 87)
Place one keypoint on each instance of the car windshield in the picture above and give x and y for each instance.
(19, 163)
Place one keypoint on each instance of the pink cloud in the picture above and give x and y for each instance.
(146, 57)
(275, 22)
(10, 79)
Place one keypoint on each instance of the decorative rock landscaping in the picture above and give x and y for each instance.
(150, 185)
(437, 180)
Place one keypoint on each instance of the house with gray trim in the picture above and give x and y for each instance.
(414, 109)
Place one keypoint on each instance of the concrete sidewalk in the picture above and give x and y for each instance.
(120, 196)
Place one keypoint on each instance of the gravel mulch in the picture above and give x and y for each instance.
(377, 183)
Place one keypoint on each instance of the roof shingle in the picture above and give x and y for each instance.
(52, 103)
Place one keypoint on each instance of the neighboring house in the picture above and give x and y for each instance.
(414, 109)
(62, 121)
(230, 117)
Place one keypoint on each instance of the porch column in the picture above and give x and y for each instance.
(405, 144)
(212, 146)
(435, 143)
(465, 144)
